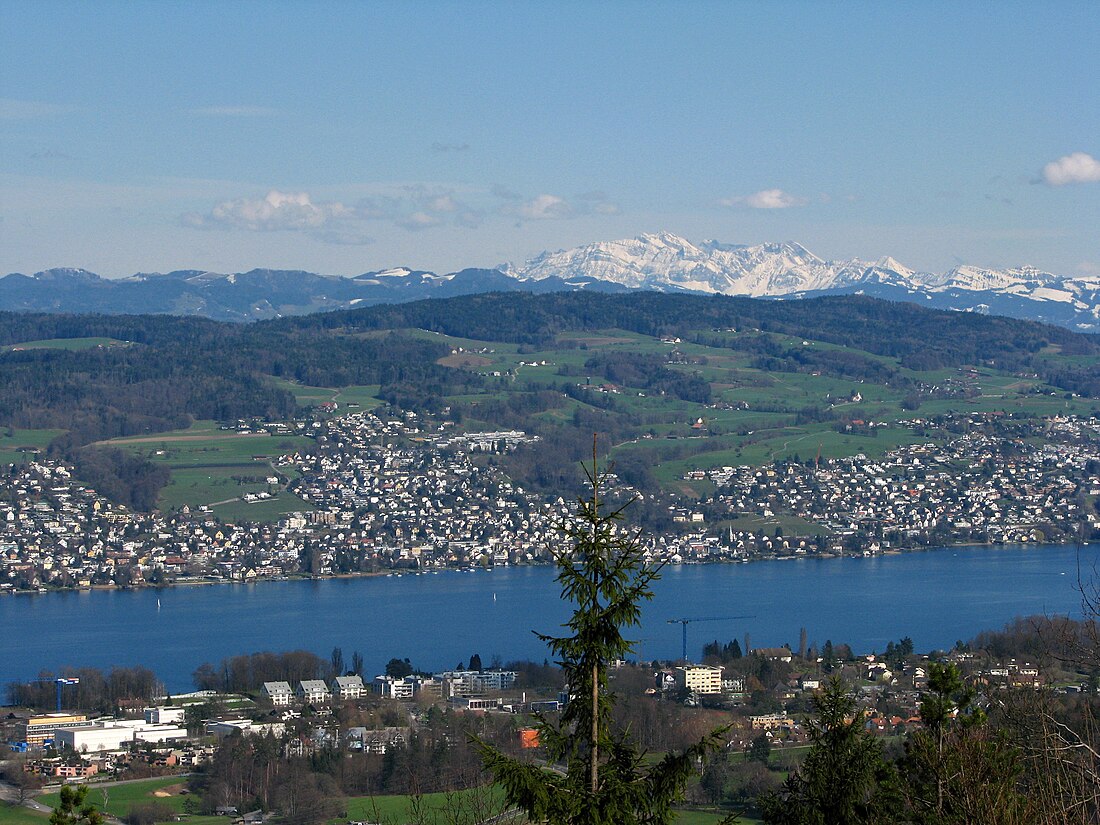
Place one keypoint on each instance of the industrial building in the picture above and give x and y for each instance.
(113, 735)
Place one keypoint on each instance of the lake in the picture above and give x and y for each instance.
(438, 620)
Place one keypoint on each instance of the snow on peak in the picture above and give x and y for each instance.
(891, 264)
(663, 260)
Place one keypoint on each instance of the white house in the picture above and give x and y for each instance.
(392, 688)
(313, 691)
(347, 687)
(278, 692)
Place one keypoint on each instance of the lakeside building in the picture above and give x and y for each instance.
(699, 678)
(279, 693)
(313, 691)
(38, 730)
(469, 682)
(348, 687)
(114, 735)
(164, 715)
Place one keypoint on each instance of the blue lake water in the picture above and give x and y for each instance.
(437, 620)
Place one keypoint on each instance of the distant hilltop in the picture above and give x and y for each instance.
(661, 261)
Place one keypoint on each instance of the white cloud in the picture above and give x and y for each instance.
(766, 199)
(1079, 167)
(598, 203)
(235, 111)
(1088, 268)
(541, 208)
(417, 207)
(544, 207)
(279, 211)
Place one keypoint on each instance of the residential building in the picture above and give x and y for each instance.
(699, 678)
(347, 687)
(312, 691)
(279, 693)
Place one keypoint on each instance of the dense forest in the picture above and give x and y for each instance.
(920, 338)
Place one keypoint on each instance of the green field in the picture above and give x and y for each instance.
(357, 398)
(17, 815)
(433, 806)
(262, 511)
(15, 448)
(400, 808)
(123, 796)
(204, 459)
(708, 817)
(761, 427)
(348, 399)
(67, 343)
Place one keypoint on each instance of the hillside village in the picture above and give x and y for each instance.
(406, 493)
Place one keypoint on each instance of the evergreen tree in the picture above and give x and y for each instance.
(74, 809)
(956, 770)
(760, 749)
(844, 779)
(605, 575)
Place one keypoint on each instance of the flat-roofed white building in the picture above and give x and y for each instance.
(392, 688)
(113, 736)
(164, 715)
(699, 678)
(38, 729)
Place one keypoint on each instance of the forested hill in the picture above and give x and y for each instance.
(921, 338)
(96, 377)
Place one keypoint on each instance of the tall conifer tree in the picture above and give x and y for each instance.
(603, 782)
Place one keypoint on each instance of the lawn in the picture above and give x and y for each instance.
(400, 808)
(433, 806)
(68, 343)
(268, 510)
(14, 448)
(17, 815)
(120, 798)
(204, 459)
(708, 817)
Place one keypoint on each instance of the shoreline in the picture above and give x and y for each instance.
(400, 573)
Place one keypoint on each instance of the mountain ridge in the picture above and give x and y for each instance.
(659, 261)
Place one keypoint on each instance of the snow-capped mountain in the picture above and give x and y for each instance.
(664, 261)
(660, 261)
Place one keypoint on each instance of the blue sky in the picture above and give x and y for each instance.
(345, 137)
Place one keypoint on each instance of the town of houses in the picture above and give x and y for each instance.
(303, 717)
(1037, 485)
(408, 493)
